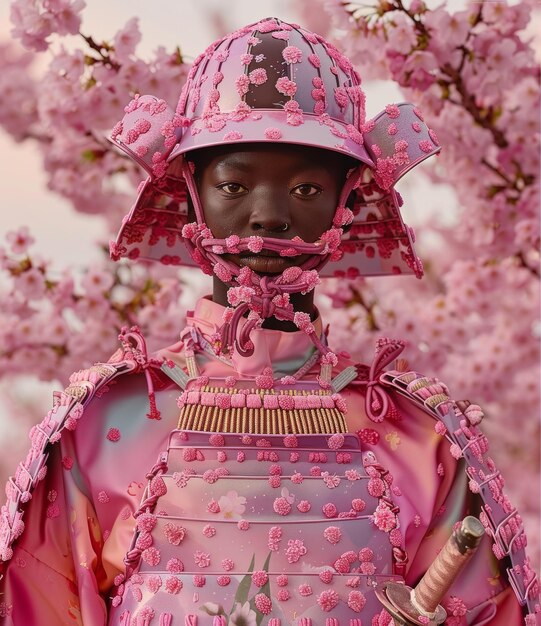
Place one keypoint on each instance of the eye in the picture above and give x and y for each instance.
(306, 190)
(232, 189)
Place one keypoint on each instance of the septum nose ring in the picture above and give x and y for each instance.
(283, 228)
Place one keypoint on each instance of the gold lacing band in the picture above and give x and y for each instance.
(436, 399)
(407, 377)
(103, 369)
(262, 421)
(266, 392)
(419, 384)
(78, 390)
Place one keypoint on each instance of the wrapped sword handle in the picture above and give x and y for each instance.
(421, 605)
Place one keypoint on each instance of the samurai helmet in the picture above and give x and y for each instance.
(272, 82)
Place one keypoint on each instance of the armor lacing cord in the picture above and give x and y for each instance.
(147, 505)
(135, 347)
(264, 296)
(377, 401)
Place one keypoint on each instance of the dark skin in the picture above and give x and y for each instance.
(260, 189)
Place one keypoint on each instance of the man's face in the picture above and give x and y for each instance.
(280, 191)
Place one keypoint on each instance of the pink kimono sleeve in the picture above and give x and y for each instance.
(52, 577)
(79, 522)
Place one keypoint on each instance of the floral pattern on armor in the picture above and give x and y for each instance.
(291, 558)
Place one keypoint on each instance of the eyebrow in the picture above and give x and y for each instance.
(233, 161)
(246, 165)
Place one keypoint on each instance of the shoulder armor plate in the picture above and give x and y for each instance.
(68, 407)
(458, 422)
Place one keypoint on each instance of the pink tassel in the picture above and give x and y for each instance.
(153, 414)
(135, 347)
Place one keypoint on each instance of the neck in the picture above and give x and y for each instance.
(301, 302)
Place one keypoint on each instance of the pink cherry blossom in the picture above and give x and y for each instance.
(202, 559)
(33, 26)
(295, 550)
(356, 601)
(282, 506)
(273, 133)
(231, 505)
(328, 600)
(332, 534)
(259, 578)
(126, 39)
(305, 590)
(286, 86)
(258, 76)
(151, 556)
(175, 566)
(20, 240)
(173, 585)
(384, 518)
(263, 603)
(31, 284)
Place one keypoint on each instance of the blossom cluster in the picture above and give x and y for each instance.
(71, 107)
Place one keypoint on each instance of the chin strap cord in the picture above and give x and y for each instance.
(266, 296)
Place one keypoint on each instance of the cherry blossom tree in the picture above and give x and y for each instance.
(472, 321)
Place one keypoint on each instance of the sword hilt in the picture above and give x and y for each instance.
(421, 606)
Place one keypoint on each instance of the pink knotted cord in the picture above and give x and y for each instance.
(132, 558)
(376, 399)
(262, 294)
(135, 347)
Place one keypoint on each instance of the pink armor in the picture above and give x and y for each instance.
(286, 524)
(90, 496)
(294, 480)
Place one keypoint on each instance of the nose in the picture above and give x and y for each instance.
(270, 212)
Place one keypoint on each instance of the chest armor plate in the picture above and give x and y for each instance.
(251, 530)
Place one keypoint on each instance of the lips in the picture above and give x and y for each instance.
(265, 263)
(265, 253)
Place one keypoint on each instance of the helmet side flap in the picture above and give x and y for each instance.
(151, 231)
(378, 241)
(397, 140)
(147, 132)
